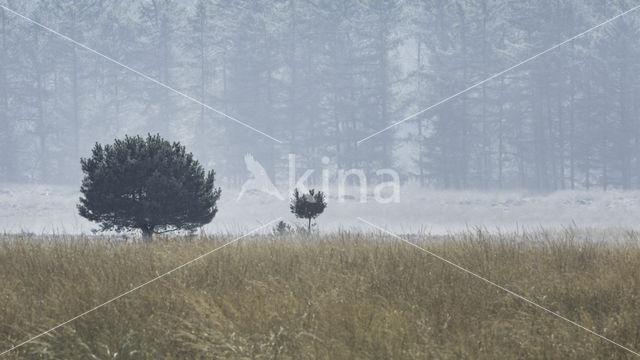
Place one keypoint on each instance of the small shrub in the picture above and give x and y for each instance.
(282, 228)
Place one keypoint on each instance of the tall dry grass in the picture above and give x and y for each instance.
(340, 296)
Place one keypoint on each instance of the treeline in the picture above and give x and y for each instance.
(321, 75)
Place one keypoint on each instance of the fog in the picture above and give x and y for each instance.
(453, 101)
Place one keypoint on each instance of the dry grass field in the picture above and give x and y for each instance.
(337, 296)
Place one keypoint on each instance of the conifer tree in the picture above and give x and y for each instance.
(308, 206)
(148, 184)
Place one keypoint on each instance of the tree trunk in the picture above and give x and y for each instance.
(309, 229)
(147, 234)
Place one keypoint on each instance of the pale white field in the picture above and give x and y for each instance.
(52, 209)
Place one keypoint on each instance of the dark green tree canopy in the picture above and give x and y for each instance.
(308, 206)
(148, 184)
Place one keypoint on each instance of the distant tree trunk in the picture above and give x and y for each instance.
(486, 161)
(147, 233)
(572, 141)
(462, 166)
(6, 147)
(42, 132)
(76, 104)
(636, 143)
(420, 135)
(500, 135)
(561, 139)
(309, 228)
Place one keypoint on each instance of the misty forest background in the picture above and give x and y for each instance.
(323, 74)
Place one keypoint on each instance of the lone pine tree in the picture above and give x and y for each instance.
(308, 206)
(148, 184)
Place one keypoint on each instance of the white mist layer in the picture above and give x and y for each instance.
(52, 209)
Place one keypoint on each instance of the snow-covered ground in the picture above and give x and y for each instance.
(50, 208)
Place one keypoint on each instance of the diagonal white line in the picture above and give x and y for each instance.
(496, 285)
(497, 74)
(139, 286)
(140, 74)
